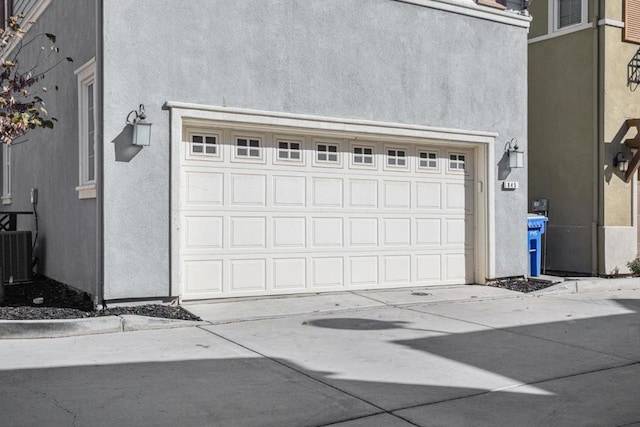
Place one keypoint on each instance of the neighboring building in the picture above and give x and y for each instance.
(296, 146)
(581, 95)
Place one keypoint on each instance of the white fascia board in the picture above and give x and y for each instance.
(611, 23)
(26, 23)
(328, 124)
(470, 8)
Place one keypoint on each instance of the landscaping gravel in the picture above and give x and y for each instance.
(521, 284)
(44, 298)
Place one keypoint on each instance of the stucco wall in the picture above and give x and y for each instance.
(48, 161)
(378, 60)
(562, 114)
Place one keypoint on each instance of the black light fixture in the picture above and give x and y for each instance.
(621, 162)
(141, 128)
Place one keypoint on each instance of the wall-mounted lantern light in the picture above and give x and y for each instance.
(516, 157)
(141, 128)
(621, 162)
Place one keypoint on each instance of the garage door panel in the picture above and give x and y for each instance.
(397, 194)
(428, 195)
(397, 269)
(248, 190)
(363, 232)
(247, 232)
(428, 231)
(289, 191)
(397, 231)
(203, 276)
(429, 268)
(248, 275)
(203, 232)
(204, 188)
(328, 272)
(456, 267)
(363, 270)
(327, 232)
(363, 193)
(289, 274)
(285, 226)
(327, 192)
(289, 232)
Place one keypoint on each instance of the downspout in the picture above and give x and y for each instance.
(99, 295)
(598, 209)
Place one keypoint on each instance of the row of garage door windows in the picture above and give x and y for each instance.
(251, 148)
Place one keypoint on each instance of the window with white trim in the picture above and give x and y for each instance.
(362, 155)
(396, 157)
(457, 162)
(327, 153)
(87, 129)
(202, 144)
(427, 160)
(248, 148)
(289, 150)
(568, 13)
(6, 174)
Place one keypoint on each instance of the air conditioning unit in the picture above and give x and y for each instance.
(15, 256)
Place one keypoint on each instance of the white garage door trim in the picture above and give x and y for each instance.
(480, 144)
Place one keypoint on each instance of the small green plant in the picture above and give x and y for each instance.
(634, 266)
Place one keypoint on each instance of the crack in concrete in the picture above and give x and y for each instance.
(55, 402)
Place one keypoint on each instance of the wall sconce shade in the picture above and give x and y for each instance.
(141, 128)
(621, 162)
(516, 157)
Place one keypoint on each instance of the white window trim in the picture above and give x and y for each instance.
(86, 76)
(553, 32)
(554, 17)
(6, 174)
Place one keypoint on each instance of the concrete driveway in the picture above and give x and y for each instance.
(446, 356)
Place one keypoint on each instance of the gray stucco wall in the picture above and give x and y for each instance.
(377, 60)
(48, 161)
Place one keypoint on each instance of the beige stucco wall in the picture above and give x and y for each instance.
(620, 103)
(612, 10)
(562, 110)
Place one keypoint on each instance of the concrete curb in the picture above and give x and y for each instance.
(591, 285)
(58, 328)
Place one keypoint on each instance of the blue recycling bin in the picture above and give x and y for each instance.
(536, 225)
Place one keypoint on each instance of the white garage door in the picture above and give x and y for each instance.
(269, 213)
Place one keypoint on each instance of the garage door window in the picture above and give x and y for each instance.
(248, 148)
(428, 160)
(397, 158)
(204, 145)
(363, 156)
(290, 151)
(457, 162)
(327, 153)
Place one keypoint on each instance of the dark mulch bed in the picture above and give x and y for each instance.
(60, 301)
(520, 284)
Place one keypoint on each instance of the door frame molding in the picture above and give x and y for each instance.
(482, 143)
